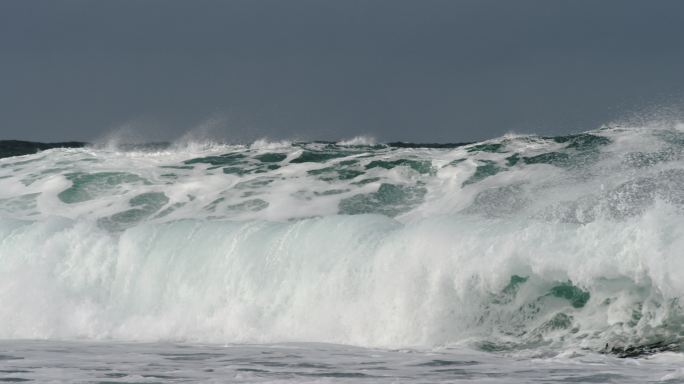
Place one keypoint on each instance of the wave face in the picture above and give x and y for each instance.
(518, 242)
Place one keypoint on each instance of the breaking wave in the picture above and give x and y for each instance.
(520, 242)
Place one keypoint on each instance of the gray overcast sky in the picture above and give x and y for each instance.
(422, 71)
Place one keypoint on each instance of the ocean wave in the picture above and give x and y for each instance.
(513, 243)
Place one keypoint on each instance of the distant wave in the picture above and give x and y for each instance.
(9, 148)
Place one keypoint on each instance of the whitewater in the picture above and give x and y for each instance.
(522, 258)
